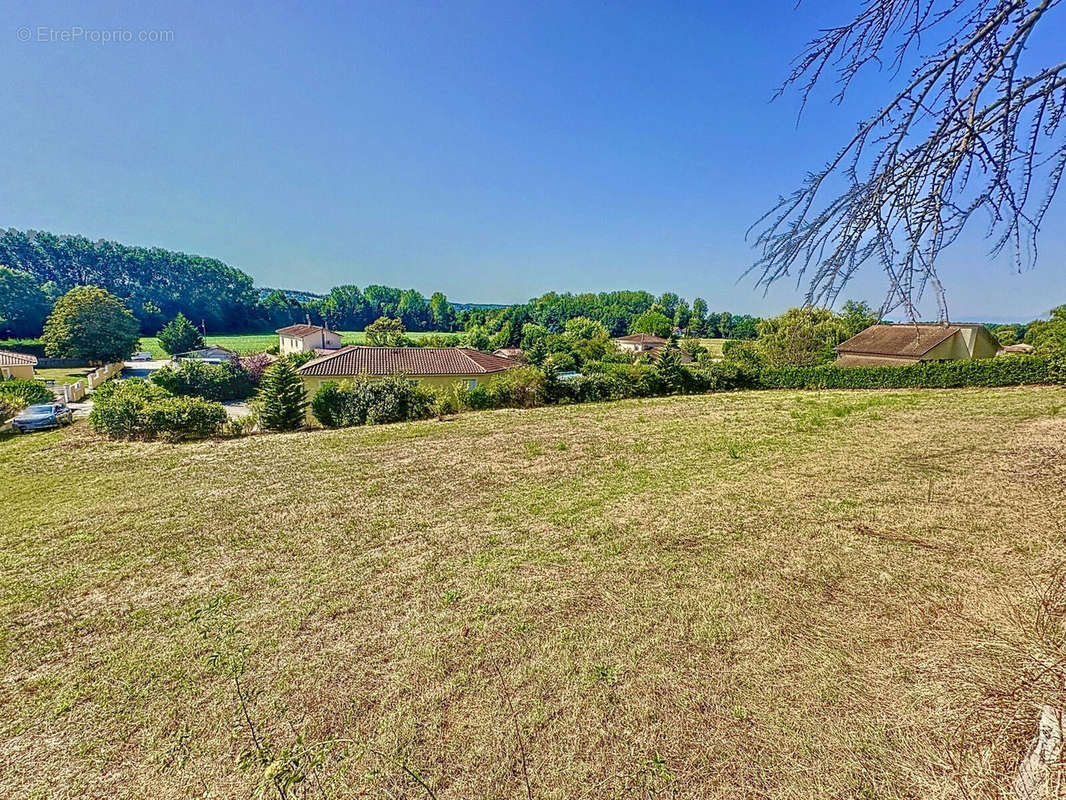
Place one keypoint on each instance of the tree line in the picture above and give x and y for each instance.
(37, 268)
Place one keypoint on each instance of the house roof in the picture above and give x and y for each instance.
(9, 359)
(1018, 348)
(361, 360)
(642, 338)
(905, 340)
(301, 330)
(508, 352)
(207, 352)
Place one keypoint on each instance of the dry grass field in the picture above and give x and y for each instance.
(776, 594)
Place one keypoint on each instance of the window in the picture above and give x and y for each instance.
(470, 384)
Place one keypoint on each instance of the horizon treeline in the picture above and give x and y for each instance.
(156, 284)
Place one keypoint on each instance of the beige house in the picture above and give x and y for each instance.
(298, 338)
(433, 366)
(899, 345)
(639, 342)
(16, 365)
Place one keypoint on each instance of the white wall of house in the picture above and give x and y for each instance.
(287, 343)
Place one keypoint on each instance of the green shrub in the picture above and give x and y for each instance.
(1056, 371)
(366, 401)
(520, 387)
(176, 418)
(136, 409)
(7, 410)
(229, 381)
(478, 398)
(22, 392)
(450, 399)
(1000, 371)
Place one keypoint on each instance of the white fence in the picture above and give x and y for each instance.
(73, 392)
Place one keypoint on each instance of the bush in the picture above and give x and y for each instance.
(255, 365)
(136, 409)
(21, 392)
(364, 401)
(520, 387)
(7, 410)
(298, 358)
(1000, 371)
(228, 381)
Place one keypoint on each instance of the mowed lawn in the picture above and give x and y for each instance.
(248, 343)
(772, 594)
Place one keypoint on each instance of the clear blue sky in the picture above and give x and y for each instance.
(492, 150)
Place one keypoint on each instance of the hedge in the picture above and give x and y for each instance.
(135, 409)
(1000, 371)
(229, 381)
(363, 401)
(22, 392)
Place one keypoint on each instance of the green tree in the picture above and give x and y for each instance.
(800, 337)
(282, 398)
(90, 323)
(1048, 337)
(857, 316)
(386, 332)
(697, 321)
(1006, 334)
(180, 336)
(667, 366)
(478, 338)
(23, 304)
(682, 314)
(441, 313)
(653, 322)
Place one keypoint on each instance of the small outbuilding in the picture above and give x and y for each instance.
(299, 338)
(16, 365)
(911, 343)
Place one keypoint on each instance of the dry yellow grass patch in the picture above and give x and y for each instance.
(744, 595)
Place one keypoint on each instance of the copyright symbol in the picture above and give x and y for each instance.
(23, 34)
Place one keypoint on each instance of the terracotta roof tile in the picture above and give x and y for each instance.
(361, 360)
(9, 359)
(905, 340)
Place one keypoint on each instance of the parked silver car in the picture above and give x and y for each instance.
(42, 417)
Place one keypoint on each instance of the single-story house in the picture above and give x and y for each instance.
(298, 338)
(210, 355)
(434, 366)
(16, 365)
(911, 343)
(513, 353)
(639, 342)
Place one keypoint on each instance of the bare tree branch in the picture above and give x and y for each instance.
(971, 131)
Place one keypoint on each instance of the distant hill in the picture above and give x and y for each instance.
(292, 294)
(480, 306)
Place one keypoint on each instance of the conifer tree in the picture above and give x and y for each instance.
(283, 401)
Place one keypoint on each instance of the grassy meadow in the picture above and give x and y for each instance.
(772, 594)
